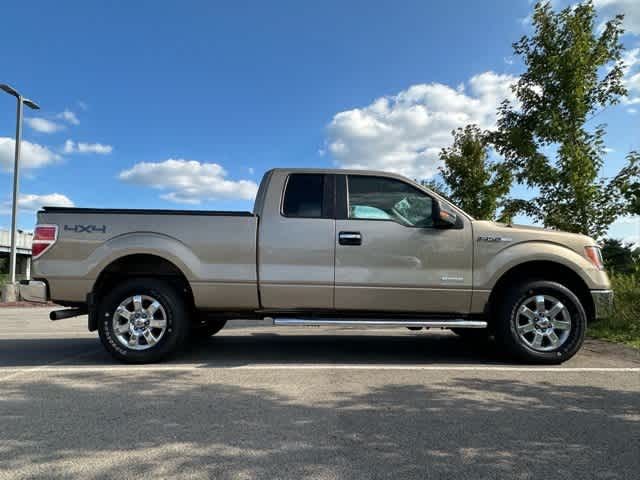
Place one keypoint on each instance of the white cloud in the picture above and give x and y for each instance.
(80, 147)
(626, 228)
(631, 61)
(633, 86)
(630, 8)
(189, 181)
(629, 220)
(405, 132)
(43, 125)
(69, 116)
(32, 155)
(34, 202)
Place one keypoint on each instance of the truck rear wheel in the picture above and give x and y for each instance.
(142, 320)
(541, 322)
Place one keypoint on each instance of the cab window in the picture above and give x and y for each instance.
(304, 195)
(380, 198)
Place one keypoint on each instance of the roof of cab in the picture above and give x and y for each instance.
(339, 171)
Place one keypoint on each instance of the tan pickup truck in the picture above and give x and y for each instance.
(322, 247)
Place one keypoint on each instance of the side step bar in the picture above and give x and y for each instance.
(369, 322)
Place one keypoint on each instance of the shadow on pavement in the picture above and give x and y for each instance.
(265, 348)
(170, 424)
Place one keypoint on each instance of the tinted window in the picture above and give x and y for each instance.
(303, 196)
(379, 198)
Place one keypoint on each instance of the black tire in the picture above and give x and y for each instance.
(507, 317)
(207, 328)
(475, 335)
(174, 308)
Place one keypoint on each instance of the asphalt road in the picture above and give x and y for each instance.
(267, 402)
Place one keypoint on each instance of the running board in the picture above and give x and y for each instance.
(368, 322)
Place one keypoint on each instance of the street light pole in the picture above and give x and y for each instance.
(21, 101)
(14, 203)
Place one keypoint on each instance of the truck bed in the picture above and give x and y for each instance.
(215, 250)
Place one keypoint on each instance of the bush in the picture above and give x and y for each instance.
(624, 324)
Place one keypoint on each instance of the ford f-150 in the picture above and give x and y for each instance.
(321, 247)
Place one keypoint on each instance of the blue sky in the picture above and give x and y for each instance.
(185, 104)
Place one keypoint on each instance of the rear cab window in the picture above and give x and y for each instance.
(307, 195)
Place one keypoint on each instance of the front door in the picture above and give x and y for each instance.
(390, 257)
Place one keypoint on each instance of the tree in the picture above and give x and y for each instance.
(437, 186)
(620, 257)
(572, 73)
(629, 183)
(471, 181)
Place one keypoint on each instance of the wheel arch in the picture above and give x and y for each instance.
(138, 265)
(542, 270)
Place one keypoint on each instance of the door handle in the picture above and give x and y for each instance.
(350, 238)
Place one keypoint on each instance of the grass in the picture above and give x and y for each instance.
(624, 325)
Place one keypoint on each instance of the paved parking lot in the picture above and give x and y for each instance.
(266, 402)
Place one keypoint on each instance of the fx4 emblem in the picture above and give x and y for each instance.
(85, 228)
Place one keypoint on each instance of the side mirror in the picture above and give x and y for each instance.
(443, 215)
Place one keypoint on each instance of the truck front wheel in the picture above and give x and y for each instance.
(142, 320)
(541, 322)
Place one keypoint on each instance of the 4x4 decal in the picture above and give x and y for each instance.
(85, 228)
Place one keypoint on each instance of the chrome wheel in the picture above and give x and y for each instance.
(543, 323)
(139, 322)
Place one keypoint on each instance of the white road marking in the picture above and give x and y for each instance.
(186, 368)
(38, 336)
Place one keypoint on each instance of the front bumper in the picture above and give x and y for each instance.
(602, 303)
(33, 291)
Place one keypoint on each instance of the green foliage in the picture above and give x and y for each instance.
(436, 186)
(629, 183)
(620, 257)
(624, 324)
(471, 181)
(572, 73)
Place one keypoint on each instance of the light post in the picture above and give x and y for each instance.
(10, 290)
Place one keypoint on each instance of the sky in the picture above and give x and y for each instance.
(185, 104)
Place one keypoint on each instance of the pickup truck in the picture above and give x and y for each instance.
(321, 247)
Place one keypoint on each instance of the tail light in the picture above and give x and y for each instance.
(44, 236)
(595, 257)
